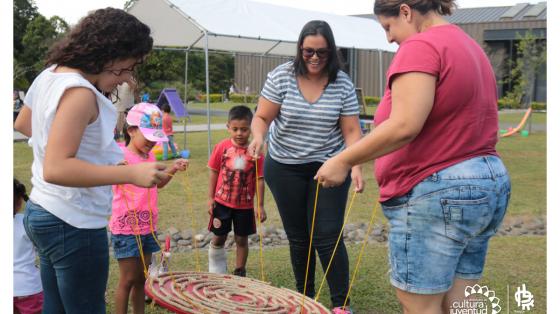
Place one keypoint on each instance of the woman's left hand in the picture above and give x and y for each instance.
(333, 173)
(357, 179)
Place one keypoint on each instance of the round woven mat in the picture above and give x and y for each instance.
(195, 292)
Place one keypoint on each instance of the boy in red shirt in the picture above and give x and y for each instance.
(231, 192)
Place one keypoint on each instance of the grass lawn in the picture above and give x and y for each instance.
(218, 105)
(516, 116)
(525, 158)
(372, 292)
(200, 119)
(511, 261)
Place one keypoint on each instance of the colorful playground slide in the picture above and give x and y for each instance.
(520, 126)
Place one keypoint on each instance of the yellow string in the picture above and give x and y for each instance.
(139, 243)
(259, 219)
(361, 253)
(310, 247)
(189, 198)
(136, 233)
(336, 246)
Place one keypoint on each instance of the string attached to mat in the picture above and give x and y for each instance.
(259, 219)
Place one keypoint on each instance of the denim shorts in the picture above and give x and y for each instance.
(441, 228)
(125, 245)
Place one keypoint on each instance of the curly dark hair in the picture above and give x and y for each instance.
(19, 192)
(101, 37)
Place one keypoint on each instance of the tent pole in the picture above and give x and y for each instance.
(207, 93)
(261, 72)
(380, 54)
(185, 99)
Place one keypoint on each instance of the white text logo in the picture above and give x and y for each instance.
(524, 298)
(478, 300)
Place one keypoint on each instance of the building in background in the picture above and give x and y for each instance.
(496, 29)
(363, 66)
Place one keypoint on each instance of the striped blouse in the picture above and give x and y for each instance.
(306, 132)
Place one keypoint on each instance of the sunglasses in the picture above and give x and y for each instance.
(322, 53)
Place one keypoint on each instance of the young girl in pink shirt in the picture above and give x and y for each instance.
(135, 212)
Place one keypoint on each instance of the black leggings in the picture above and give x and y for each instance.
(294, 190)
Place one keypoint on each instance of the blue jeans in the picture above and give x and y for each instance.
(441, 228)
(74, 262)
(170, 144)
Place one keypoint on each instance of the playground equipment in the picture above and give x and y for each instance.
(519, 127)
(170, 96)
(158, 151)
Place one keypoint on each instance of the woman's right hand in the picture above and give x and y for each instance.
(148, 174)
(255, 147)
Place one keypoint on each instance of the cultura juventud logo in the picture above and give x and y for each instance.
(478, 300)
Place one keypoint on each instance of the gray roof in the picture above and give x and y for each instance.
(518, 12)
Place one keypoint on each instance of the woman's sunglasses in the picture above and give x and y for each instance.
(322, 53)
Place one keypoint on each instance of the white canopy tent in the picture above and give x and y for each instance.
(246, 26)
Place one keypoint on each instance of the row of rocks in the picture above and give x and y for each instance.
(523, 226)
(186, 240)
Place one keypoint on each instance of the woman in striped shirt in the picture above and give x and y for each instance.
(314, 108)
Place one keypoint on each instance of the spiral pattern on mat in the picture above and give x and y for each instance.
(194, 292)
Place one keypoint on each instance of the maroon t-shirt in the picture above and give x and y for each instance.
(463, 122)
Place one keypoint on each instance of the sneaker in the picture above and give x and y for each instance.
(342, 310)
(241, 272)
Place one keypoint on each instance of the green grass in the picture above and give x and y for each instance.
(511, 117)
(182, 204)
(372, 292)
(525, 158)
(200, 119)
(516, 116)
(217, 105)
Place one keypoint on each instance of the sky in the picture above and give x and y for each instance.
(72, 10)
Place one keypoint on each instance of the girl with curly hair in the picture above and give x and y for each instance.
(70, 122)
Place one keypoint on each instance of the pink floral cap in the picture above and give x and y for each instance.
(148, 118)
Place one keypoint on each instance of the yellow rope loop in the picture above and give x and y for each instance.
(152, 231)
(188, 192)
(259, 220)
(310, 246)
(336, 245)
(136, 232)
(361, 253)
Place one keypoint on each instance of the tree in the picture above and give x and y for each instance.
(24, 12)
(167, 68)
(40, 33)
(531, 56)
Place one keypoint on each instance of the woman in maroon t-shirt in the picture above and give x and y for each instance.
(443, 188)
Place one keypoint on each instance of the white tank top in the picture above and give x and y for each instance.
(86, 208)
